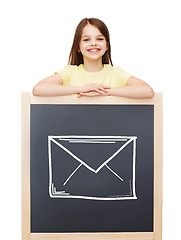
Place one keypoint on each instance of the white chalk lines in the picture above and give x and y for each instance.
(72, 174)
(95, 172)
(91, 140)
(114, 172)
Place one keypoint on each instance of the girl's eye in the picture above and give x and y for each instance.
(86, 39)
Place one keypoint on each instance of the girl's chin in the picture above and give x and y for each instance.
(93, 57)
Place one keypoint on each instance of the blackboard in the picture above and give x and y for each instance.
(92, 168)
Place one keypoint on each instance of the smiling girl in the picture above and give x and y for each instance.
(90, 71)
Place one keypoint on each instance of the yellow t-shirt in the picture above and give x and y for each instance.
(74, 75)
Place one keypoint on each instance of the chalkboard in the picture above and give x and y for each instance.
(92, 168)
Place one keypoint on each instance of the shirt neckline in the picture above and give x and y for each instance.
(82, 67)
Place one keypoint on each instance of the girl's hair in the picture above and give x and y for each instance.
(75, 57)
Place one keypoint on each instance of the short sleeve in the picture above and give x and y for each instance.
(65, 74)
(121, 77)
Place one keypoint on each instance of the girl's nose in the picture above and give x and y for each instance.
(93, 42)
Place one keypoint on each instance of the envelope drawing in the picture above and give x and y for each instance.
(92, 167)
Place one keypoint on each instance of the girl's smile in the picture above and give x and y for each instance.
(93, 50)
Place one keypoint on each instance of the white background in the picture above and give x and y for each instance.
(36, 37)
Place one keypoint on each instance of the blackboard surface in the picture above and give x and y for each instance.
(92, 168)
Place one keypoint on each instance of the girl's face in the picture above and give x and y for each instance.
(93, 44)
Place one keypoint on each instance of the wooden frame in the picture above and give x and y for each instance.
(27, 100)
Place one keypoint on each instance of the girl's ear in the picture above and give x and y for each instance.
(107, 46)
(78, 50)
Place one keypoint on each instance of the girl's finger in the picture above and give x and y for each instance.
(103, 89)
(100, 90)
(96, 90)
(91, 94)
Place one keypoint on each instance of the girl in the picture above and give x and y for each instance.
(90, 71)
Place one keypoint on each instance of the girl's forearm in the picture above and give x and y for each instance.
(134, 91)
(47, 90)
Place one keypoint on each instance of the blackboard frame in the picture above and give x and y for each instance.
(27, 100)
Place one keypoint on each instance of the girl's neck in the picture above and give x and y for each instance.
(93, 66)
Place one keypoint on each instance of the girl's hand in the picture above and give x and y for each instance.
(92, 94)
(94, 87)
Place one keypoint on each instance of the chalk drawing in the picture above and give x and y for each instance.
(58, 141)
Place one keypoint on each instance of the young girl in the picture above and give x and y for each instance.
(90, 71)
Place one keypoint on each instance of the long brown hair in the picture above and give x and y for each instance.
(75, 57)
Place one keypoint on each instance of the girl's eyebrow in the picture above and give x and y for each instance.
(100, 35)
